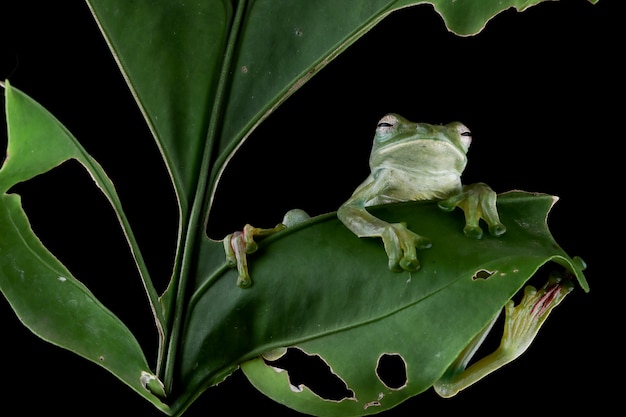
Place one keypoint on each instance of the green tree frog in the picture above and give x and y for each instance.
(409, 161)
(417, 161)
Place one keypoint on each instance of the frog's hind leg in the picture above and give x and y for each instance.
(521, 325)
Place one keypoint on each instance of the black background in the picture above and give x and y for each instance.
(542, 92)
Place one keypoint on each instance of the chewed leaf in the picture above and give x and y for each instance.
(319, 288)
(422, 327)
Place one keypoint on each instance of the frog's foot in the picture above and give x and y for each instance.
(478, 201)
(521, 325)
(239, 244)
(400, 244)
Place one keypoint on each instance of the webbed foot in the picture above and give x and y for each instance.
(239, 244)
(478, 201)
(401, 244)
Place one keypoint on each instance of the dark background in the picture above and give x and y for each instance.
(542, 92)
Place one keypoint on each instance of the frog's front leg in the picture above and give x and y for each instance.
(478, 201)
(400, 243)
(238, 245)
(521, 325)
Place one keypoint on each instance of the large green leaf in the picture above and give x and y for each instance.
(322, 289)
(171, 55)
(43, 293)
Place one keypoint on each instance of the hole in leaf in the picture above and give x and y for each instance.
(391, 370)
(314, 373)
(483, 274)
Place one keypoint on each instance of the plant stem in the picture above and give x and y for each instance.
(194, 230)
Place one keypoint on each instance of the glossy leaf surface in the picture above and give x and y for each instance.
(337, 298)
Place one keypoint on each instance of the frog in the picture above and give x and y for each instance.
(417, 162)
(408, 162)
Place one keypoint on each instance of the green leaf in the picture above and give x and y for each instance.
(171, 55)
(43, 293)
(320, 288)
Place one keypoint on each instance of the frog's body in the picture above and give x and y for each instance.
(409, 162)
(416, 161)
(391, 181)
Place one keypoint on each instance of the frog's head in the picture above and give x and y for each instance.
(399, 141)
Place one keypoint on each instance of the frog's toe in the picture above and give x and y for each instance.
(497, 229)
(244, 281)
(473, 231)
(407, 263)
(423, 243)
(394, 265)
(410, 264)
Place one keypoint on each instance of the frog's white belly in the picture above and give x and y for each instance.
(395, 185)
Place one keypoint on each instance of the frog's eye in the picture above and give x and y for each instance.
(387, 124)
(465, 136)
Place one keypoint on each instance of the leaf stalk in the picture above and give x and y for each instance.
(194, 231)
